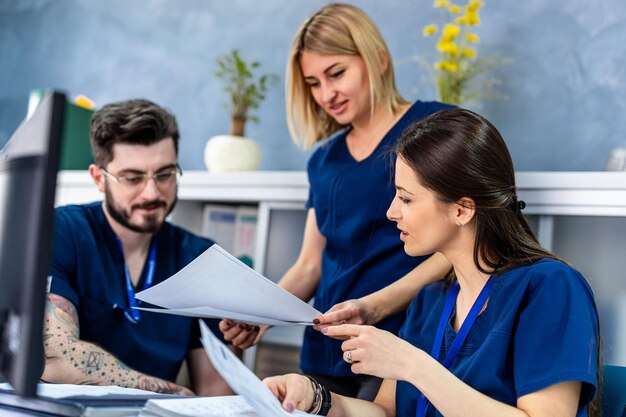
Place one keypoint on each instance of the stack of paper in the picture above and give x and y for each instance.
(231, 406)
(216, 284)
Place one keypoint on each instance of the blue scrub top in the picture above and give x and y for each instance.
(540, 328)
(363, 250)
(88, 270)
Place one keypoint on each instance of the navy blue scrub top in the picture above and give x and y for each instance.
(88, 270)
(540, 328)
(363, 250)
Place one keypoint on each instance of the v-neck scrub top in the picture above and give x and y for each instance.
(88, 270)
(363, 251)
(540, 328)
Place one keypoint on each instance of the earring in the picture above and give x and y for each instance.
(459, 224)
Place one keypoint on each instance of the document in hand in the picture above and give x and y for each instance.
(240, 378)
(216, 284)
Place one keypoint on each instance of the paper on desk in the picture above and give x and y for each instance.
(229, 406)
(228, 288)
(240, 378)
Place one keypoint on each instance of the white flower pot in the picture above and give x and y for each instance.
(231, 153)
(616, 160)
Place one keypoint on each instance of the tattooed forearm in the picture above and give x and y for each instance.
(75, 361)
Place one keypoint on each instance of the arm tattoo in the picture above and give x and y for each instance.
(60, 312)
(80, 362)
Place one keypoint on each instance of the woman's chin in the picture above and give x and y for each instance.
(414, 252)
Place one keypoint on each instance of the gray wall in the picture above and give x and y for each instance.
(566, 85)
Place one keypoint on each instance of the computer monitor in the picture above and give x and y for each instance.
(28, 171)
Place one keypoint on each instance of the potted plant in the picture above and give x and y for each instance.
(246, 91)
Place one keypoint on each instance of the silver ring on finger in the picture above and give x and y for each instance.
(349, 356)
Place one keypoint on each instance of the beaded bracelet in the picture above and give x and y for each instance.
(321, 400)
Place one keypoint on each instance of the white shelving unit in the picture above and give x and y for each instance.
(581, 216)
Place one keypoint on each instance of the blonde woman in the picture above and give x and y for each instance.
(341, 93)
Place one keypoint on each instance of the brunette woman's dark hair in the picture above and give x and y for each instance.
(457, 153)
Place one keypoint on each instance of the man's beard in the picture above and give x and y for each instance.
(152, 222)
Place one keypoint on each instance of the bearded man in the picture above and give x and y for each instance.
(105, 252)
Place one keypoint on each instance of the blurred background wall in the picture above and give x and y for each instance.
(566, 85)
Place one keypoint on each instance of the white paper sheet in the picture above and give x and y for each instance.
(221, 282)
(228, 406)
(241, 379)
(209, 312)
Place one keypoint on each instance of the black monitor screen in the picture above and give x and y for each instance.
(28, 172)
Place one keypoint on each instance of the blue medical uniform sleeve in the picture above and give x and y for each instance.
(310, 202)
(557, 333)
(63, 259)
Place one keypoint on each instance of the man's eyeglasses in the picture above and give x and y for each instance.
(133, 181)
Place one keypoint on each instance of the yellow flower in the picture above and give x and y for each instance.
(474, 5)
(472, 18)
(450, 32)
(446, 66)
(429, 30)
(458, 65)
(448, 48)
(472, 37)
(469, 53)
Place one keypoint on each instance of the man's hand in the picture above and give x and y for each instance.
(150, 383)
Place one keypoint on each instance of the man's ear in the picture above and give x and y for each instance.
(97, 176)
(464, 211)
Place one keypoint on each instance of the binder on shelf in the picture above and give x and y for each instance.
(218, 224)
(233, 228)
(245, 234)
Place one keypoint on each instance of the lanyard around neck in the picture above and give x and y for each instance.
(133, 315)
(422, 402)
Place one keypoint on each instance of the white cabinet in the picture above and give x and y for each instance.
(581, 216)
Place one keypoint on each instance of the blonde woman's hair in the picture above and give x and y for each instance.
(336, 29)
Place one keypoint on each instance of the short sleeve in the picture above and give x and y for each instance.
(556, 339)
(310, 202)
(63, 259)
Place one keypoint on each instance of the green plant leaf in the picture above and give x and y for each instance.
(245, 90)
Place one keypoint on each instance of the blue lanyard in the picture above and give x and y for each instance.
(131, 313)
(422, 402)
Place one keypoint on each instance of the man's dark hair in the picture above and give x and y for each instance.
(135, 122)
